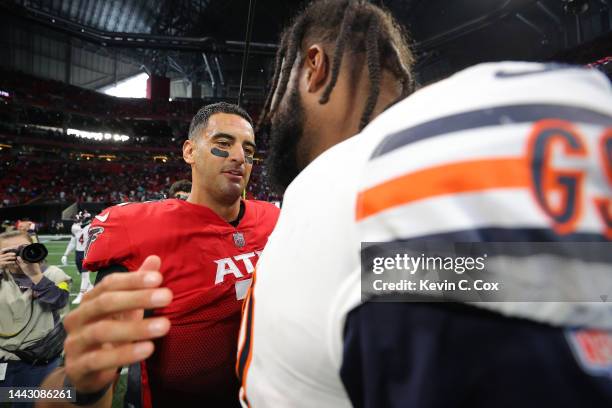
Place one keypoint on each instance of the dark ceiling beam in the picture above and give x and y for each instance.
(176, 66)
(219, 70)
(213, 83)
(137, 40)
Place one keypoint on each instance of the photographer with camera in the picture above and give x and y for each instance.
(31, 334)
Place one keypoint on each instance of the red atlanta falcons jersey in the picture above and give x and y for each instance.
(207, 263)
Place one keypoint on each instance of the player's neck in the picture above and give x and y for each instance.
(228, 212)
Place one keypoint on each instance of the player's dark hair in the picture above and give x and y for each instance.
(179, 185)
(356, 26)
(200, 120)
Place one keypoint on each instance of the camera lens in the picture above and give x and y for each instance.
(33, 253)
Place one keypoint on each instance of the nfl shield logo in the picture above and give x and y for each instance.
(239, 239)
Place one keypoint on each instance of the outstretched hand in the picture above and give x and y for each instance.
(107, 330)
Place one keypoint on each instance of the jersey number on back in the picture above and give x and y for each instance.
(560, 193)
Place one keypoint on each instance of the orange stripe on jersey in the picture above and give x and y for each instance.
(452, 178)
(246, 348)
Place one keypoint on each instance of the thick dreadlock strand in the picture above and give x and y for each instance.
(277, 64)
(295, 41)
(373, 60)
(345, 29)
(405, 76)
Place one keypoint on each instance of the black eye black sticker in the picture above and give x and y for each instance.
(219, 152)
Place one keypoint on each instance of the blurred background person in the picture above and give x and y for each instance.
(29, 227)
(78, 243)
(180, 189)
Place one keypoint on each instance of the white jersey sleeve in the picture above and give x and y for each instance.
(71, 246)
(75, 230)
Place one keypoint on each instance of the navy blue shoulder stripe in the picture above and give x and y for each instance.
(555, 66)
(499, 115)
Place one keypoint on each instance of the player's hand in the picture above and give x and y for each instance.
(64, 260)
(107, 330)
(7, 258)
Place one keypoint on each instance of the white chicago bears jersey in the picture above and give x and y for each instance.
(453, 158)
(80, 236)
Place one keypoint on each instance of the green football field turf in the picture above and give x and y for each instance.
(56, 250)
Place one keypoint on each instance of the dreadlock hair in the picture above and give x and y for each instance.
(355, 25)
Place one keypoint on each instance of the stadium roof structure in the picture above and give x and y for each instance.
(204, 40)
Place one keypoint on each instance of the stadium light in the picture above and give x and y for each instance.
(83, 134)
(132, 87)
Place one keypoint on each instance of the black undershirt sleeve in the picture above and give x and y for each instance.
(102, 273)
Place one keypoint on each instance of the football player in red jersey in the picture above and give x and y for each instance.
(207, 246)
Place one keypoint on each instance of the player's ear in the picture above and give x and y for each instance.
(317, 68)
(188, 154)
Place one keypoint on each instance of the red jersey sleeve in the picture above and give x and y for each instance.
(108, 242)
